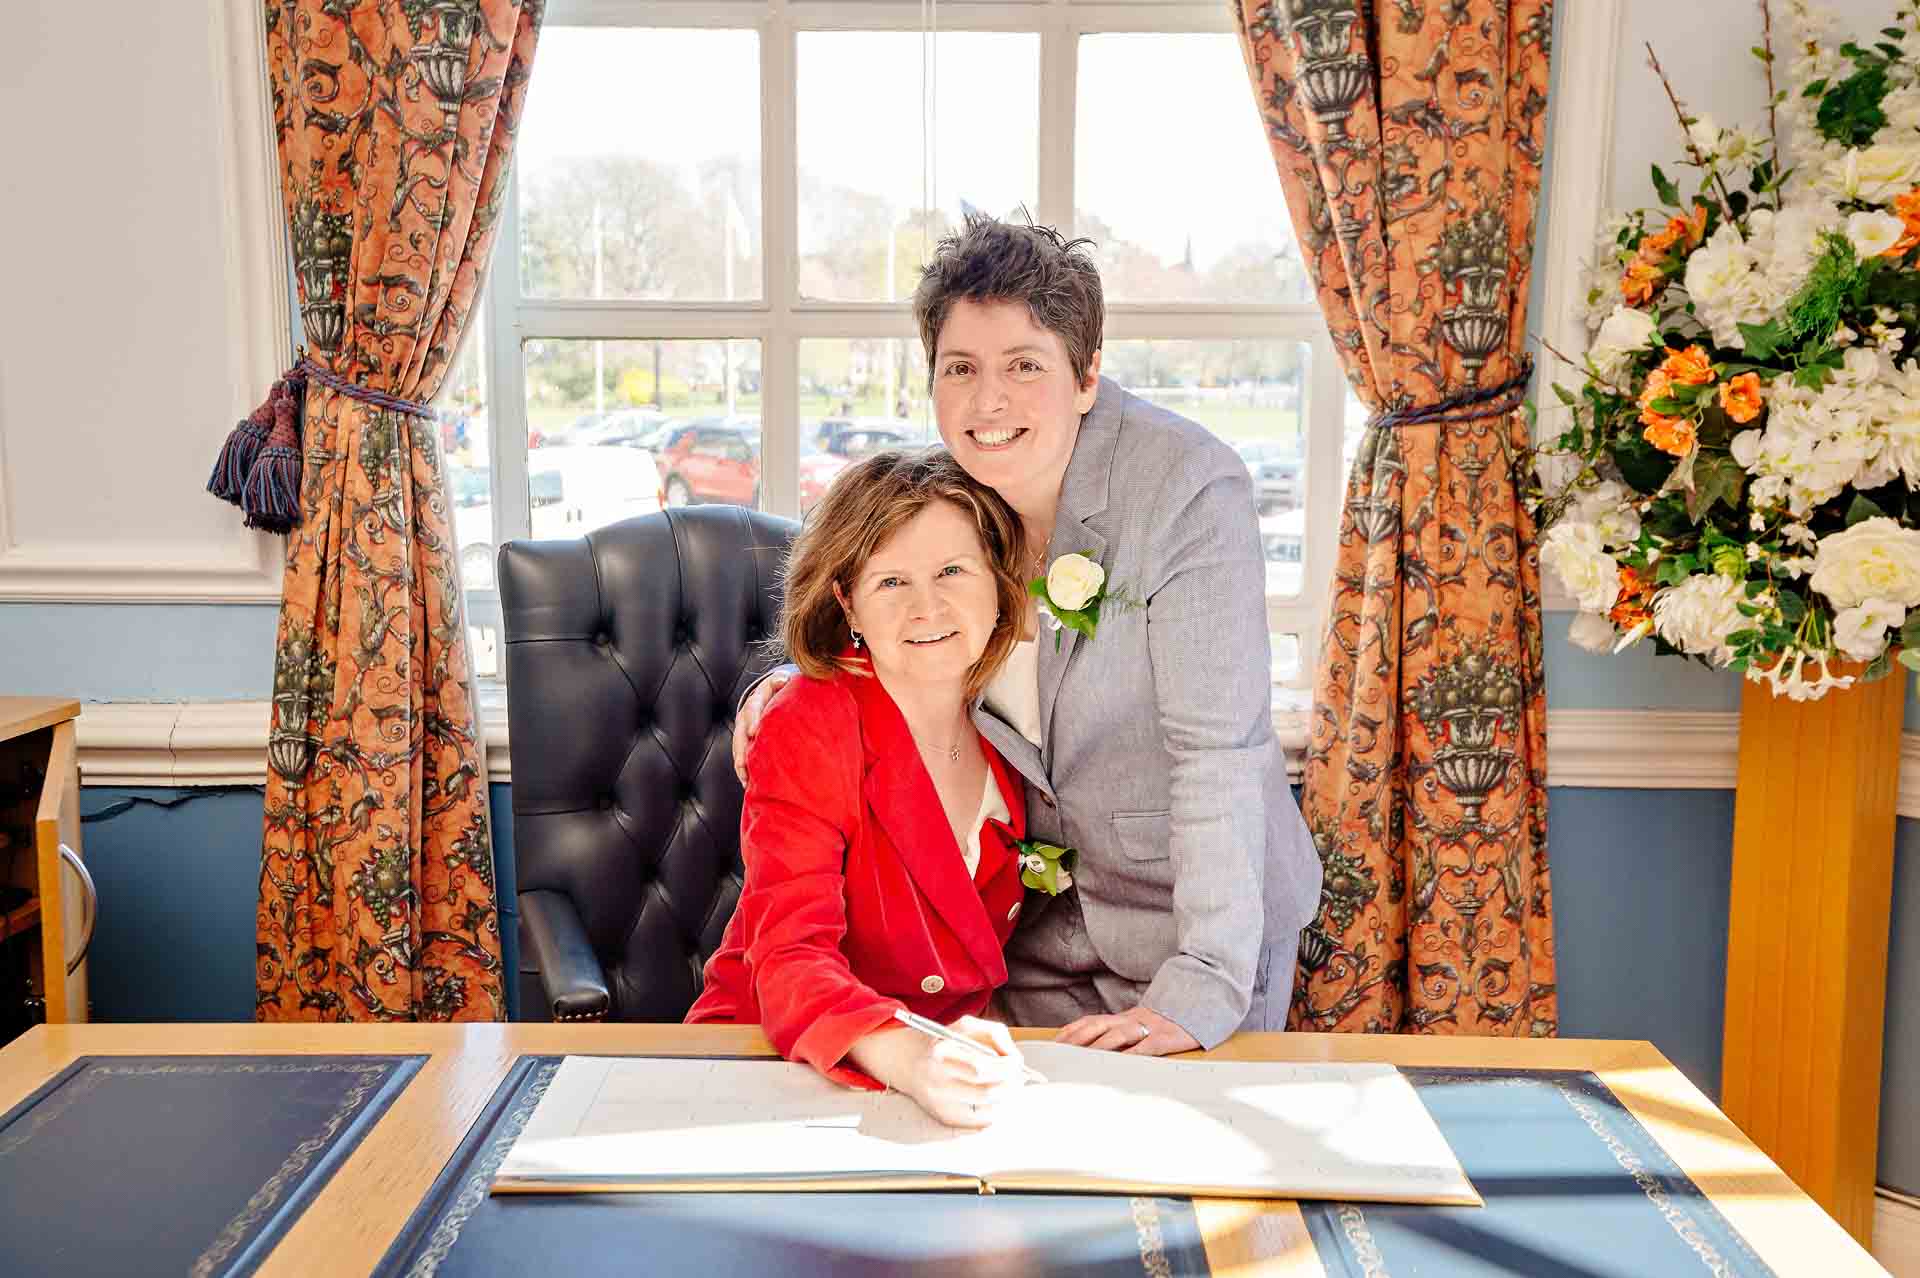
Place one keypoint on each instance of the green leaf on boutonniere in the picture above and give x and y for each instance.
(1081, 621)
(1046, 867)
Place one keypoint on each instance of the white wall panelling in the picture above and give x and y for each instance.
(132, 361)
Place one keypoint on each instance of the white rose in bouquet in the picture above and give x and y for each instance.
(1874, 559)
(1592, 632)
(1861, 632)
(1573, 551)
(1623, 334)
(1608, 506)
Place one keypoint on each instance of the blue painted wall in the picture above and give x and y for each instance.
(177, 890)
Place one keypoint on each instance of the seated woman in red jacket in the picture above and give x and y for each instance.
(879, 827)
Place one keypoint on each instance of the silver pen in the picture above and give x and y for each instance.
(936, 1030)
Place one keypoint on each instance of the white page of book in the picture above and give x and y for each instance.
(1323, 1130)
(1349, 1131)
(610, 1117)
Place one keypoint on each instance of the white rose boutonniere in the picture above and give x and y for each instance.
(1072, 594)
(1046, 867)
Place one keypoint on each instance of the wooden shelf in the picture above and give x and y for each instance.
(21, 919)
(21, 715)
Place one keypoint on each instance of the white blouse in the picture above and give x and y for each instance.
(993, 807)
(1014, 694)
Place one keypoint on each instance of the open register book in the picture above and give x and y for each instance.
(1100, 1123)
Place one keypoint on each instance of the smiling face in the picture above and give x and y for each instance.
(1005, 397)
(925, 602)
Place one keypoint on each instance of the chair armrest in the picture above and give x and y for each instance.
(570, 972)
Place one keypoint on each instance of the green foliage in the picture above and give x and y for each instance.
(1643, 467)
(1663, 187)
(1850, 111)
(1717, 477)
(1863, 509)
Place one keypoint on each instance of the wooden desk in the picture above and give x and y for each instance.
(361, 1210)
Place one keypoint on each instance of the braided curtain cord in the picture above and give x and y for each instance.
(365, 394)
(258, 468)
(1488, 401)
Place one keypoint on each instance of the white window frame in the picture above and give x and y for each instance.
(779, 320)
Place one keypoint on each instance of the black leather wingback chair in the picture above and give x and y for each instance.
(627, 651)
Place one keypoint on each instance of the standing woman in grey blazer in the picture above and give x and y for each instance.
(1148, 746)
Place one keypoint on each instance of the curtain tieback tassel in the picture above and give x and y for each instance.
(259, 467)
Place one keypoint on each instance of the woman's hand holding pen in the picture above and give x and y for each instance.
(959, 1085)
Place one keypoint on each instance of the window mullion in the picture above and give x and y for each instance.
(569, 319)
(780, 230)
(1059, 69)
(506, 375)
(1326, 487)
(1196, 322)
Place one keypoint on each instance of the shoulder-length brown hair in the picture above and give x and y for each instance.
(867, 503)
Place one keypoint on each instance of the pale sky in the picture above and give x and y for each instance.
(1168, 141)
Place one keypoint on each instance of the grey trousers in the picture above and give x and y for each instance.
(1054, 976)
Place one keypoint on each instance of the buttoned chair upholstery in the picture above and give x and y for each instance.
(627, 651)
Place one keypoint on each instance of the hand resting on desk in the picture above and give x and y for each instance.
(1121, 1032)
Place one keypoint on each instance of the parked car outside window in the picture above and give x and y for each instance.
(1275, 470)
(628, 427)
(840, 442)
(1283, 544)
(712, 460)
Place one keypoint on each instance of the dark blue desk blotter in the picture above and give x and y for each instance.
(461, 1231)
(179, 1164)
(1574, 1186)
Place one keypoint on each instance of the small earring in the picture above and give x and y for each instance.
(856, 641)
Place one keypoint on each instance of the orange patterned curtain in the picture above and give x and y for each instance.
(395, 121)
(1408, 135)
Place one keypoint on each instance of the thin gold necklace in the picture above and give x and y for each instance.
(952, 752)
(1040, 556)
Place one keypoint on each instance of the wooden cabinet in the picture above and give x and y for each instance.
(40, 851)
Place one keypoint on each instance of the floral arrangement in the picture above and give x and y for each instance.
(1740, 478)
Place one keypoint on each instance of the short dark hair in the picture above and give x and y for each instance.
(988, 260)
(867, 503)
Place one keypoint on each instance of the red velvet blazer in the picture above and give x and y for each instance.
(857, 900)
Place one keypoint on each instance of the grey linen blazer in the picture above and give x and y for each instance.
(1158, 761)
